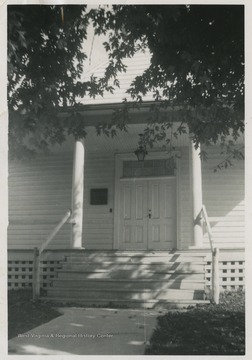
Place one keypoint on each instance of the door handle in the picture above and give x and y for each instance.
(149, 214)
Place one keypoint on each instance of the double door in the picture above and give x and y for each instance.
(147, 214)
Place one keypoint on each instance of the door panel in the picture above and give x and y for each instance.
(127, 198)
(140, 193)
(127, 234)
(154, 200)
(169, 199)
(139, 235)
(148, 214)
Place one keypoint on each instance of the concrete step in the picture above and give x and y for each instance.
(143, 259)
(141, 253)
(129, 274)
(120, 294)
(130, 279)
(137, 304)
(111, 266)
(131, 284)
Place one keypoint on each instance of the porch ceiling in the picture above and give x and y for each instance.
(123, 142)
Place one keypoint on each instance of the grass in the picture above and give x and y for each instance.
(25, 314)
(204, 330)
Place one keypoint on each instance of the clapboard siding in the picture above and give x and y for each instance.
(98, 221)
(39, 195)
(223, 196)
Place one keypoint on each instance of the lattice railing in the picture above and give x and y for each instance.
(38, 254)
(20, 273)
(231, 274)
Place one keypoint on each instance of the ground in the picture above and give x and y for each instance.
(24, 314)
(204, 330)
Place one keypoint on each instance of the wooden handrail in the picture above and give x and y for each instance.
(208, 227)
(215, 259)
(55, 230)
(38, 252)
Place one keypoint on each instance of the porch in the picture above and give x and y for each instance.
(158, 249)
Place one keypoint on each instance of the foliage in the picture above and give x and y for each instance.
(180, 59)
(204, 330)
(45, 65)
(193, 59)
(196, 72)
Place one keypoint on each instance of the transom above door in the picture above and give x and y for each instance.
(147, 214)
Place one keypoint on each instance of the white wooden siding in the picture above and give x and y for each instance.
(39, 195)
(223, 196)
(135, 66)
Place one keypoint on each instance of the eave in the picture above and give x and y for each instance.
(94, 114)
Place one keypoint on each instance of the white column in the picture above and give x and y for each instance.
(77, 194)
(196, 189)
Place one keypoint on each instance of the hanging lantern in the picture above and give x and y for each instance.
(141, 150)
(140, 153)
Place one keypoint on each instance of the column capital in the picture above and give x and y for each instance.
(79, 138)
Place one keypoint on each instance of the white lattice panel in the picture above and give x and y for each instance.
(231, 274)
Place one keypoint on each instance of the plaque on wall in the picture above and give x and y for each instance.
(99, 196)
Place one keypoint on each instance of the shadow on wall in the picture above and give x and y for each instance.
(39, 195)
(223, 196)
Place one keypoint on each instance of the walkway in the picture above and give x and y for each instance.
(89, 331)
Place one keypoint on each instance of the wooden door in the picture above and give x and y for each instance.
(147, 214)
(133, 216)
(162, 214)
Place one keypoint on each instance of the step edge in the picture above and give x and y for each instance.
(181, 301)
(131, 280)
(78, 290)
(109, 271)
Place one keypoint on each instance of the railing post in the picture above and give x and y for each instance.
(215, 276)
(36, 274)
